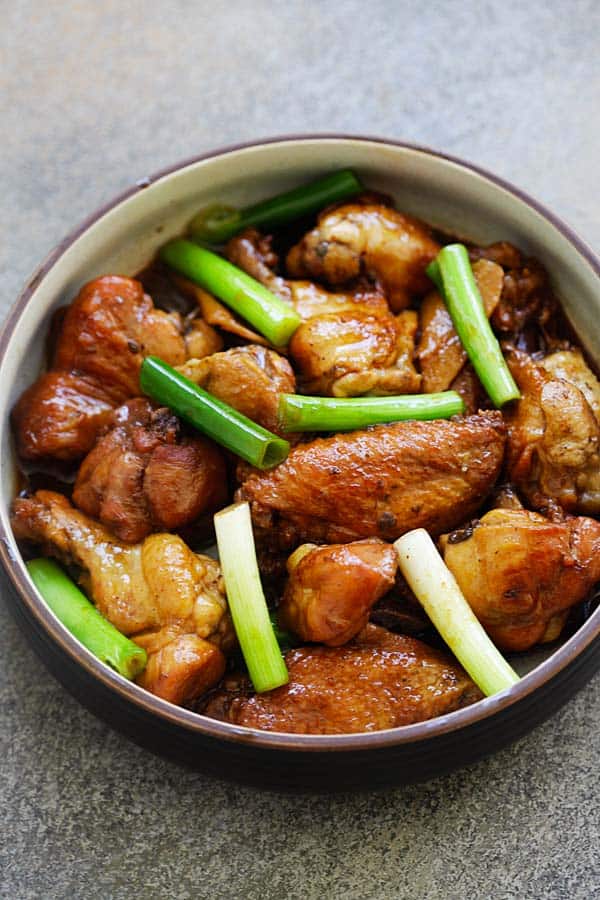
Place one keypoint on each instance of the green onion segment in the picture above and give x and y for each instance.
(211, 416)
(268, 314)
(82, 619)
(217, 223)
(247, 604)
(436, 589)
(452, 274)
(301, 413)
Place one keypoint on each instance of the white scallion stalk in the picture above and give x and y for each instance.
(436, 589)
(247, 604)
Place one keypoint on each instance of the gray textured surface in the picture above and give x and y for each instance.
(96, 96)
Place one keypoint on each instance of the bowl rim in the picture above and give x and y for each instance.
(212, 728)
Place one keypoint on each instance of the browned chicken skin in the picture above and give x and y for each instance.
(380, 680)
(380, 482)
(144, 476)
(348, 344)
(553, 449)
(367, 238)
(248, 378)
(521, 573)
(105, 334)
(440, 352)
(331, 589)
(170, 600)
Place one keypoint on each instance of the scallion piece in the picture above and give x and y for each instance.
(211, 416)
(217, 223)
(451, 272)
(436, 589)
(300, 413)
(269, 315)
(82, 619)
(247, 604)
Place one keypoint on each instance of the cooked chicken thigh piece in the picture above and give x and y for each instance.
(169, 600)
(367, 238)
(144, 476)
(105, 334)
(380, 482)
(248, 378)
(440, 353)
(553, 449)
(331, 589)
(521, 573)
(348, 344)
(380, 680)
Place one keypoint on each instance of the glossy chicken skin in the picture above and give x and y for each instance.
(380, 680)
(105, 334)
(367, 238)
(521, 573)
(380, 482)
(169, 600)
(248, 378)
(348, 344)
(144, 476)
(553, 450)
(331, 589)
(440, 352)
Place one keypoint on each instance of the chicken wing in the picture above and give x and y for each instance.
(169, 600)
(248, 378)
(144, 475)
(331, 589)
(553, 450)
(367, 238)
(380, 482)
(380, 680)
(440, 352)
(104, 336)
(349, 344)
(521, 573)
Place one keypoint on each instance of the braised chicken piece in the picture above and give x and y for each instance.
(248, 378)
(571, 366)
(144, 475)
(553, 450)
(380, 482)
(521, 573)
(331, 589)
(105, 334)
(169, 600)
(380, 680)
(349, 344)
(367, 238)
(440, 352)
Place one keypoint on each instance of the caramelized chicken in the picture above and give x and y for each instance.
(571, 366)
(349, 343)
(553, 453)
(144, 475)
(440, 352)
(169, 600)
(104, 336)
(331, 589)
(367, 238)
(380, 482)
(248, 378)
(380, 680)
(521, 573)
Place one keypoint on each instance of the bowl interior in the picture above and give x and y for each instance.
(441, 191)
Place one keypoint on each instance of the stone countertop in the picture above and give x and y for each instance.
(95, 97)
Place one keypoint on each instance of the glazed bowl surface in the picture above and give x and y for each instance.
(121, 238)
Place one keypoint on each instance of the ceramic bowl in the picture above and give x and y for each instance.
(121, 237)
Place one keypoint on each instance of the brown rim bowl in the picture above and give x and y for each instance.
(122, 237)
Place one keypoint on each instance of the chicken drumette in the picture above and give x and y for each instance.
(169, 600)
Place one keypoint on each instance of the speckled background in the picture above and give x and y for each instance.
(95, 96)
